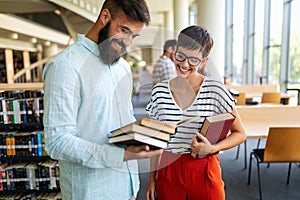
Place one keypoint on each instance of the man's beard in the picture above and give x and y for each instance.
(108, 54)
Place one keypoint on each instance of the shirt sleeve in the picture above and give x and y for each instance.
(151, 107)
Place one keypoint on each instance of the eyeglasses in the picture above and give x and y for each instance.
(181, 57)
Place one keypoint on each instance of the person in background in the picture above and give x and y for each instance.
(164, 68)
(87, 90)
(176, 174)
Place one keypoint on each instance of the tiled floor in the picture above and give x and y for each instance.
(235, 177)
(234, 174)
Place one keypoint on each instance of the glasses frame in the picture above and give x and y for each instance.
(187, 58)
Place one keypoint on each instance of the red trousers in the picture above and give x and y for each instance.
(182, 177)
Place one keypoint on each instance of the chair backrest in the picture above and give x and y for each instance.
(283, 145)
(271, 97)
(241, 99)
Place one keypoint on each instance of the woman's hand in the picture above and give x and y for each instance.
(150, 193)
(201, 146)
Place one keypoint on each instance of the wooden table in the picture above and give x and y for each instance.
(284, 98)
(259, 118)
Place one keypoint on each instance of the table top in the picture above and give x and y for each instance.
(257, 119)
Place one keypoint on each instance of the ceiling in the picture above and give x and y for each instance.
(57, 20)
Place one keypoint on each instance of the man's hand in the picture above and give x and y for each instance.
(140, 152)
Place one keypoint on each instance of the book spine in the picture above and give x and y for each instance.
(16, 111)
(37, 177)
(4, 179)
(39, 143)
(34, 144)
(52, 174)
(8, 111)
(3, 143)
(3, 117)
(36, 108)
(30, 110)
(23, 114)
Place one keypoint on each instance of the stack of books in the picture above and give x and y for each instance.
(147, 131)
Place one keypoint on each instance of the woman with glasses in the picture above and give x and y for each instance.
(176, 174)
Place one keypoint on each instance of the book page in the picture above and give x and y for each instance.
(187, 120)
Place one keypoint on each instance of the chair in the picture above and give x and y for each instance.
(240, 99)
(282, 146)
(271, 97)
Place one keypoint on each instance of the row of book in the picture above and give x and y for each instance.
(14, 143)
(22, 94)
(31, 196)
(42, 175)
(21, 111)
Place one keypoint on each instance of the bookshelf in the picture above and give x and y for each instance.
(25, 168)
(21, 86)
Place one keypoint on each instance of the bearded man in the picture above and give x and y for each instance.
(87, 94)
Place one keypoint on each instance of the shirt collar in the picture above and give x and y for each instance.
(89, 44)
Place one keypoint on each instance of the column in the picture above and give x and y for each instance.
(9, 66)
(39, 48)
(181, 15)
(211, 14)
(169, 25)
(26, 64)
(50, 50)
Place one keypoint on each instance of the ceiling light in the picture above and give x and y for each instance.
(47, 43)
(33, 40)
(15, 36)
(57, 12)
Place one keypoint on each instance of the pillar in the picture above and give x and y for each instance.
(181, 15)
(211, 14)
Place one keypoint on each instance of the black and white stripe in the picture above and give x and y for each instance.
(213, 98)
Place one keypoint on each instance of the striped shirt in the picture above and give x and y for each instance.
(213, 98)
(164, 69)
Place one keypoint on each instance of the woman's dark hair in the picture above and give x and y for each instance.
(136, 10)
(196, 37)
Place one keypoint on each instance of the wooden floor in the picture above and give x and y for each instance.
(234, 174)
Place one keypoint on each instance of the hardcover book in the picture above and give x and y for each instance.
(153, 129)
(216, 127)
(137, 140)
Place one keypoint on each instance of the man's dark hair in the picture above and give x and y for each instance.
(196, 37)
(169, 43)
(136, 10)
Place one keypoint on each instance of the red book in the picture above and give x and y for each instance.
(215, 128)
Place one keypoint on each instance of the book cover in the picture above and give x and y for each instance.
(30, 172)
(23, 113)
(157, 125)
(2, 176)
(137, 140)
(215, 128)
(39, 143)
(3, 111)
(138, 128)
